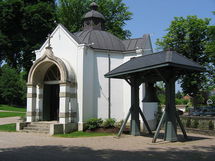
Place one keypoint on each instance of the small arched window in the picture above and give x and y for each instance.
(52, 74)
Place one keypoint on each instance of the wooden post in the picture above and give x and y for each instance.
(170, 127)
(135, 122)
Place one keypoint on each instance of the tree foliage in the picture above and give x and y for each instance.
(70, 13)
(26, 23)
(189, 36)
(12, 86)
(210, 46)
(24, 26)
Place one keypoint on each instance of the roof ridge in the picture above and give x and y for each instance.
(134, 38)
(145, 37)
(169, 56)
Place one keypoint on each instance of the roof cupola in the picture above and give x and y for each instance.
(93, 20)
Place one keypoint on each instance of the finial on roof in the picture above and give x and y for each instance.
(49, 38)
(94, 6)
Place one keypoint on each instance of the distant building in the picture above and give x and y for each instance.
(187, 97)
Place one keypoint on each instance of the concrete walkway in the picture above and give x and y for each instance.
(37, 147)
(8, 120)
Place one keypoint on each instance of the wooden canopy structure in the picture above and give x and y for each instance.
(164, 66)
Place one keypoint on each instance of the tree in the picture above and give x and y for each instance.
(23, 28)
(188, 36)
(210, 50)
(70, 13)
(12, 86)
(210, 46)
(160, 92)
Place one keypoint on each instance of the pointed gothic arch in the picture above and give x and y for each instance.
(39, 68)
(51, 89)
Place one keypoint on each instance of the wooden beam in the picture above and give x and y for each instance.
(171, 126)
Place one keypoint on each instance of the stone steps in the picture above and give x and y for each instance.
(36, 127)
(35, 131)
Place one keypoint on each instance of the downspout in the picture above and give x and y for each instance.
(109, 88)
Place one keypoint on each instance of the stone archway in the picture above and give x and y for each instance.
(44, 83)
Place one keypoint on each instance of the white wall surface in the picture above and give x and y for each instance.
(101, 84)
(89, 67)
(117, 104)
(89, 105)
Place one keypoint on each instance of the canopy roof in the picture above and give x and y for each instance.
(165, 60)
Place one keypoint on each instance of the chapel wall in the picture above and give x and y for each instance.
(63, 46)
(95, 86)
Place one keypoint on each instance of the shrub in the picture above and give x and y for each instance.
(181, 101)
(119, 123)
(211, 125)
(188, 123)
(195, 123)
(185, 102)
(93, 123)
(178, 101)
(108, 123)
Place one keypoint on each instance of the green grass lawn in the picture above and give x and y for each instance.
(8, 127)
(83, 134)
(11, 114)
(11, 108)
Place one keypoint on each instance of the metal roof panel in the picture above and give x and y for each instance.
(152, 61)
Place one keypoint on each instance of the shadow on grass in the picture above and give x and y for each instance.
(61, 153)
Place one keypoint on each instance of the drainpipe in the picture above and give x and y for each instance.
(109, 88)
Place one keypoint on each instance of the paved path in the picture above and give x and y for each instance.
(37, 147)
(8, 120)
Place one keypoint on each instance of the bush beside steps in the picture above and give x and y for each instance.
(99, 125)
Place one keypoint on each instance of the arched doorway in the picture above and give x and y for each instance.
(51, 91)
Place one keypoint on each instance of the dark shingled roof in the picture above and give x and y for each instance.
(106, 41)
(94, 14)
(102, 40)
(133, 44)
(152, 61)
(98, 39)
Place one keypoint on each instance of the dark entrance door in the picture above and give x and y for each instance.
(51, 102)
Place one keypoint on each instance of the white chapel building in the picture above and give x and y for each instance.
(66, 83)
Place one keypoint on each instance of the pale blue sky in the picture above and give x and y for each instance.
(154, 16)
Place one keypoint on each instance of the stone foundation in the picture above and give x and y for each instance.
(20, 125)
(62, 128)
